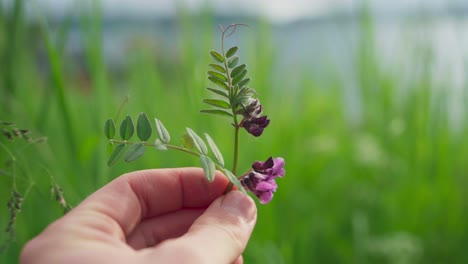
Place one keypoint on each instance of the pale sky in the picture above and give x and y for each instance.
(277, 10)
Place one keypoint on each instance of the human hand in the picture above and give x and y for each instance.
(151, 216)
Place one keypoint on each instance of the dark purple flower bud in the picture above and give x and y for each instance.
(261, 180)
(255, 126)
(253, 109)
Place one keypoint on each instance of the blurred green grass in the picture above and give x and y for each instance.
(385, 188)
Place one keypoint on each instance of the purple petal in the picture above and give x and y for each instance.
(267, 186)
(255, 126)
(278, 169)
(261, 166)
(265, 197)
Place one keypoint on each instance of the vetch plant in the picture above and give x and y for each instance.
(232, 99)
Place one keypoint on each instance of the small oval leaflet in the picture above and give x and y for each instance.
(217, 103)
(237, 70)
(231, 51)
(116, 154)
(218, 75)
(143, 127)
(218, 82)
(208, 167)
(198, 142)
(109, 129)
(239, 77)
(218, 57)
(162, 131)
(244, 82)
(218, 92)
(218, 68)
(134, 152)
(215, 149)
(233, 62)
(126, 128)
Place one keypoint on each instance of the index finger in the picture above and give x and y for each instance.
(149, 193)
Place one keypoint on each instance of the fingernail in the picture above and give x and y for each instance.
(239, 204)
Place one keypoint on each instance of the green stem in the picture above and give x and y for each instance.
(236, 125)
(236, 150)
(236, 153)
(169, 146)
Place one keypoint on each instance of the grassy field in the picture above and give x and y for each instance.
(386, 187)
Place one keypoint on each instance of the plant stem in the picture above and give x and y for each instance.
(169, 146)
(236, 124)
(236, 155)
(183, 150)
(236, 149)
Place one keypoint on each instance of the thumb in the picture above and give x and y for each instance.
(219, 235)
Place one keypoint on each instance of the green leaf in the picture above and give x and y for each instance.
(216, 112)
(219, 92)
(244, 82)
(159, 145)
(116, 154)
(198, 142)
(134, 152)
(231, 52)
(208, 167)
(218, 68)
(232, 178)
(218, 82)
(237, 70)
(218, 103)
(187, 141)
(233, 62)
(218, 75)
(127, 128)
(239, 77)
(143, 127)
(218, 57)
(109, 129)
(215, 149)
(162, 131)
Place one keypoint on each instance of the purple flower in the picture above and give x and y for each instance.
(252, 122)
(272, 167)
(256, 125)
(261, 179)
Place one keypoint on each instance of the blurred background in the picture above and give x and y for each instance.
(367, 101)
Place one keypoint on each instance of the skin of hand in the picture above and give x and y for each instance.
(151, 216)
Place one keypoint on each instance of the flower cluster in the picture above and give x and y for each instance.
(260, 180)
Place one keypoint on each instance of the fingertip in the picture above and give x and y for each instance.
(241, 205)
